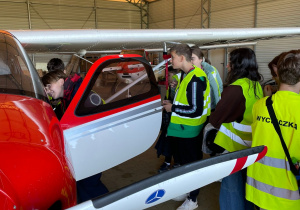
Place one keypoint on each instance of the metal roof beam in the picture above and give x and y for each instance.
(144, 10)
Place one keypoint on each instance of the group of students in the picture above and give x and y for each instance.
(242, 120)
(238, 112)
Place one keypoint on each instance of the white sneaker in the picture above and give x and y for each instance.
(188, 205)
(181, 197)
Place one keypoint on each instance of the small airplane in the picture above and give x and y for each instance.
(44, 157)
(133, 70)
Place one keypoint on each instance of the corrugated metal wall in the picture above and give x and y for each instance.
(68, 14)
(187, 14)
(13, 15)
(233, 14)
(276, 14)
(161, 14)
(188, 17)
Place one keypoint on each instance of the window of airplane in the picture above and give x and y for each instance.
(14, 74)
(118, 83)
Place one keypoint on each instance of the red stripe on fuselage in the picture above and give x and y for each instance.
(130, 106)
(240, 162)
(69, 120)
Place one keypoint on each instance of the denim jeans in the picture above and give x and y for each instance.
(90, 187)
(232, 192)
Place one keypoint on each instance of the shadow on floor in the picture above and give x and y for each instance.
(146, 165)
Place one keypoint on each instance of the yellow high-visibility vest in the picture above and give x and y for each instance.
(270, 182)
(177, 78)
(236, 136)
(185, 126)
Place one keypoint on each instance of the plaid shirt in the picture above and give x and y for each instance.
(71, 86)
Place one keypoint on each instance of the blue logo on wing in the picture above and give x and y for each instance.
(158, 194)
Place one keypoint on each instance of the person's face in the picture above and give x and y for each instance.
(228, 66)
(170, 75)
(55, 89)
(196, 60)
(176, 60)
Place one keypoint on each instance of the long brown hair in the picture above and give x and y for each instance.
(243, 64)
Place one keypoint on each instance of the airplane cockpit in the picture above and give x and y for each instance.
(119, 82)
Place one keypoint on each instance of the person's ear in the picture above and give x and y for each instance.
(61, 81)
(182, 58)
(275, 69)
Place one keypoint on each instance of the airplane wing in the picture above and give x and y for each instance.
(71, 41)
(173, 183)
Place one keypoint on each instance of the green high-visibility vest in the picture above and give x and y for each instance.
(186, 127)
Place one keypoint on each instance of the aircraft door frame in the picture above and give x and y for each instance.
(98, 138)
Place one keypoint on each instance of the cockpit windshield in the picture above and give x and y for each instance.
(16, 76)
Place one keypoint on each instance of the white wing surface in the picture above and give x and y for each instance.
(69, 40)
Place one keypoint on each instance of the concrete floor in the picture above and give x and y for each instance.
(146, 165)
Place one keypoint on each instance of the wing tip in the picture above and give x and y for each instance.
(262, 153)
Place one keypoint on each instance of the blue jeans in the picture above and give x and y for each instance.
(232, 192)
(90, 187)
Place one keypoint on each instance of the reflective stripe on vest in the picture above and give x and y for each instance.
(235, 137)
(275, 162)
(214, 73)
(205, 110)
(242, 127)
(276, 191)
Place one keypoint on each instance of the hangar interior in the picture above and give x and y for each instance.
(155, 14)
